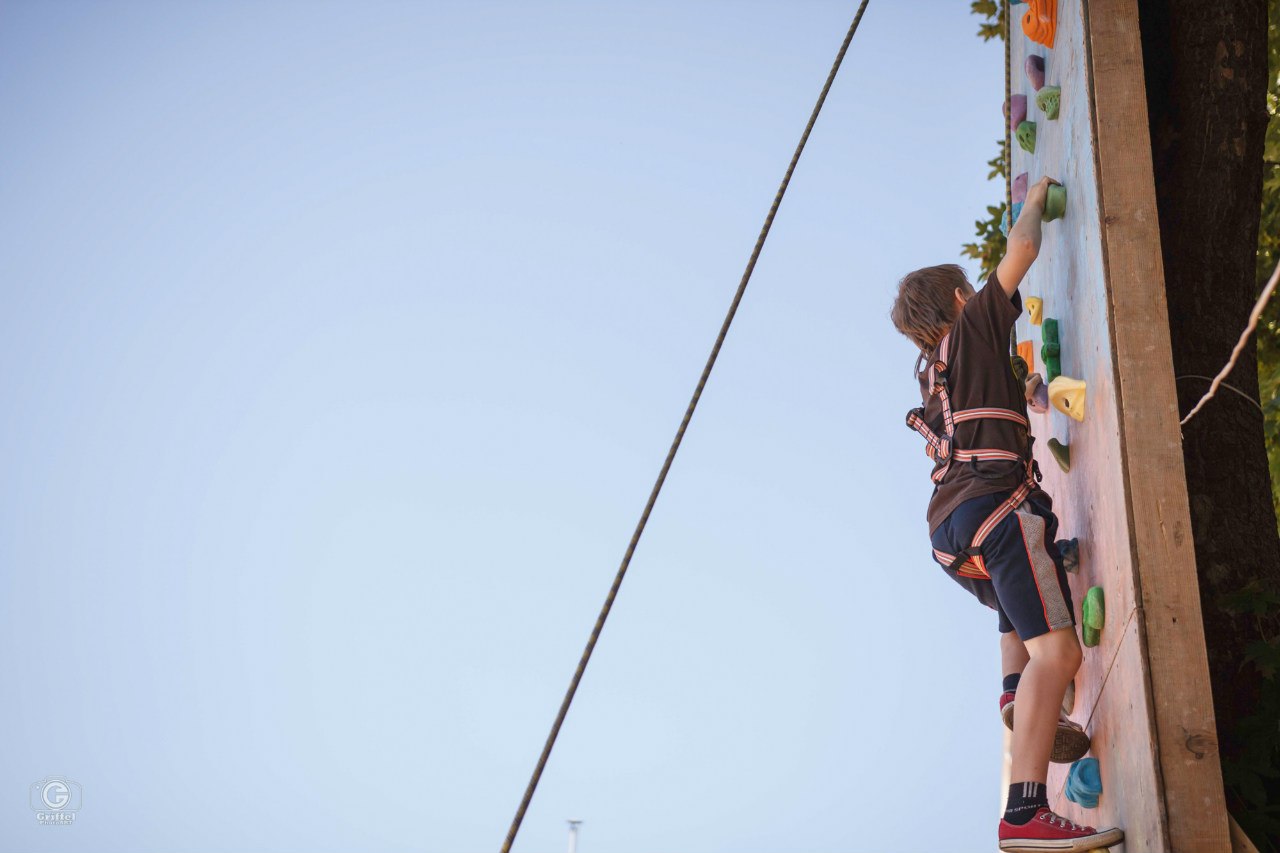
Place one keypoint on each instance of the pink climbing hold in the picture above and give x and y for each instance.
(1035, 71)
(1017, 111)
(1019, 188)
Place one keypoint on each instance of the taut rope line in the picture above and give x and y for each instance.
(675, 444)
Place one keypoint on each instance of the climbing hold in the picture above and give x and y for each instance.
(1026, 134)
(1026, 350)
(1019, 188)
(1067, 396)
(1070, 551)
(1035, 309)
(1019, 365)
(1037, 393)
(1049, 100)
(1051, 352)
(1055, 202)
(1040, 23)
(1016, 109)
(1092, 616)
(1035, 71)
(1084, 783)
(1004, 220)
(1061, 454)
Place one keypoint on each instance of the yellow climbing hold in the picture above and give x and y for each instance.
(1067, 396)
(1035, 308)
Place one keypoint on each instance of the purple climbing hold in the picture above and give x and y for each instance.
(1019, 188)
(1035, 71)
(1017, 111)
(1040, 400)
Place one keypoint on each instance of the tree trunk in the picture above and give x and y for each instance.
(1207, 77)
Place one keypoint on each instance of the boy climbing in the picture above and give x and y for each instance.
(991, 526)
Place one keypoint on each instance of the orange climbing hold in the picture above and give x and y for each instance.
(1028, 354)
(1040, 22)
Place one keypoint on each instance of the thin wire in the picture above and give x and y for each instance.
(1235, 353)
(675, 444)
(1226, 385)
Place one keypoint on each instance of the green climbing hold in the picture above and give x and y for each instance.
(1055, 203)
(1020, 369)
(1026, 134)
(1093, 614)
(1051, 352)
(1061, 454)
(1048, 100)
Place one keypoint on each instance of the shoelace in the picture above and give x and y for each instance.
(1066, 824)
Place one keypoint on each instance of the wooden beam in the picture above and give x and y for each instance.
(1170, 629)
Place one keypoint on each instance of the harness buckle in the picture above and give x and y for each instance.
(917, 412)
(963, 557)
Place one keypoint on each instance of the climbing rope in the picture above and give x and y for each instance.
(1008, 146)
(675, 444)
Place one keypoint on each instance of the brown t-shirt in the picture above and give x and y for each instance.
(979, 377)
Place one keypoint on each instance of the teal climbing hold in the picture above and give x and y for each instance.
(1004, 220)
(1084, 783)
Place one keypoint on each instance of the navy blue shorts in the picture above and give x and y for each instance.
(1026, 583)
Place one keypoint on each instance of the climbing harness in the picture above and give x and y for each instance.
(675, 443)
(940, 447)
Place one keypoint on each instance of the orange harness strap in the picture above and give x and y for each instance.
(941, 449)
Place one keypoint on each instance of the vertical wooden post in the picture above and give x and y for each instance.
(1170, 629)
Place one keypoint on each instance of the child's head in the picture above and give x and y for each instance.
(928, 302)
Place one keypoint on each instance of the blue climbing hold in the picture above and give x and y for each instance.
(1084, 783)
(1004, 221)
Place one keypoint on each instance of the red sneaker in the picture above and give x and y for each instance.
(1070, 743)
(1048, 831)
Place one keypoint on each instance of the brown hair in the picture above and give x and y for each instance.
(925, 306)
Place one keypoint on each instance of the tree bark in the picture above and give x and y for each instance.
(1207, 78)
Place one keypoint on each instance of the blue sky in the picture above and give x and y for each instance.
(341, 345)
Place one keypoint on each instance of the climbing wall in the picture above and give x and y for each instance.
(1143, 691)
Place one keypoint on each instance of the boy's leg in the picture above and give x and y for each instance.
(1054, 659)
(1013, 654)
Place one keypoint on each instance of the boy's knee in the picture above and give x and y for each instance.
(1059, 649)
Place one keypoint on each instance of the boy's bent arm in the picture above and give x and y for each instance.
(1023, 243)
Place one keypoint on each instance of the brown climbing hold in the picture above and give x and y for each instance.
(1037, 393)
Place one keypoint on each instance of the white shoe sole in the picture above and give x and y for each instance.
(1098, 841)
(1069, 743)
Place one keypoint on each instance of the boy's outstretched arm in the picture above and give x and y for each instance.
(1023, 244)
